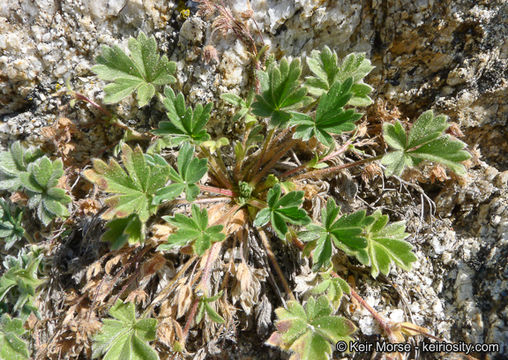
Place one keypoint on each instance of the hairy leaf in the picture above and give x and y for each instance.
(125, 230)
(190, 171)
(281, 92)
(281, 211)
(135, 189)
(425, 141)
(13, 163)
(19, 282)
(345, 233)
(185, 124)
(327, 71)
(244, 105)
(40, 182)
(332, 287)
(11, 229)
(385, 245)
(12, 347)
(330, 116)
(204, 307)
(193, 230)
(141, 71)
(311, 332)
(124, 337)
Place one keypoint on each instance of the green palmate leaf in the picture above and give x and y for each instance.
(135, 189)
(205, 307)
(193, 230)
(125, 337)
(386, 245)
(281, 92)
(281, 211)
(40, 183)
(426, 141)
(330, 116)
(345, 233)
(185, 124)
(327, 71)
(12, 347)
(190, 171)
(332, 287)
(13, 163)
(19, 282)
(124, 230)
(11, 229)
(310, 332)
(141, 71)
(244, 105)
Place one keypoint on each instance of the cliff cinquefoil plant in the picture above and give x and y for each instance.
(321, 111)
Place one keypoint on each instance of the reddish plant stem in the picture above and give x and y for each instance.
(93, 103)
(383, 323)
(216, 190)
(280, 152)
(326, 158)
(261, 156)
(342, 149)
(329, 171)
(216, 169)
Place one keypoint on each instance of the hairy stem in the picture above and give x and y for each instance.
(134, 135)
(382, 322)
(329, 171)
(278, 154)
(216, 190)
(263, 151)
(216, 169)
(326, 158)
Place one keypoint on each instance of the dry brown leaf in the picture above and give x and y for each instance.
(168, 331)
(93, 269)
(19, 198)
(138, 296)
(166, 310)
(437, 174)
(370, 172)
(87, 207)
(90, 285)
(112, 262)
(244, 276)
(153, 265)
(161, 232)
(454, 130)
(183, 299)
(238, 221)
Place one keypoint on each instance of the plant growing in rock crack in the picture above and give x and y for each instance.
(253, 184)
